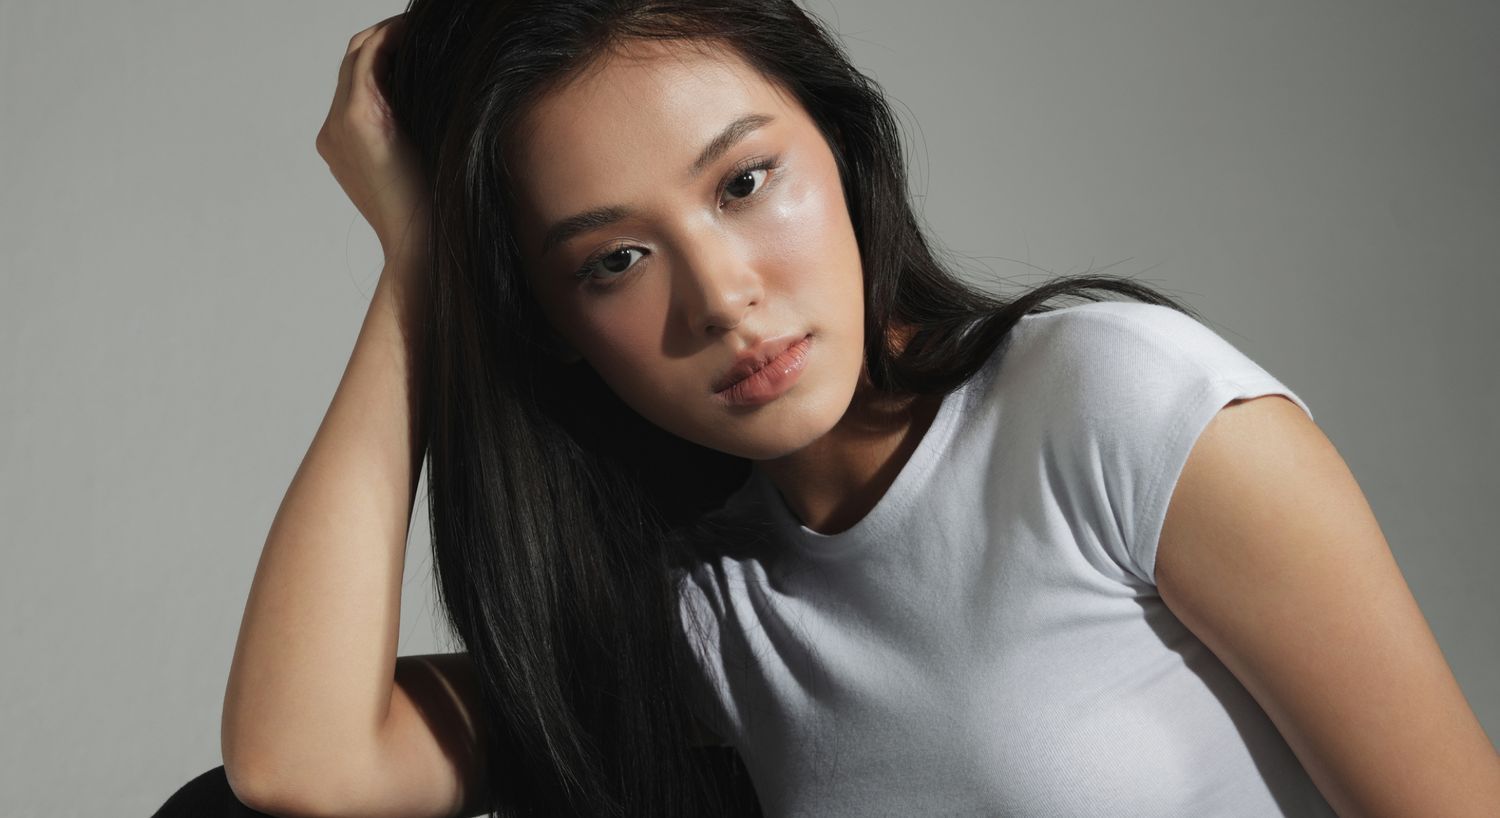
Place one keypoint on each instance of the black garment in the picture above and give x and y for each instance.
(207, 796)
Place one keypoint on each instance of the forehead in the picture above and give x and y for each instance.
(638, 113)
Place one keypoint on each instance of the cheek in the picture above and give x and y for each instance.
(802, 218)
(619, 348)
(622, 341)
(814, 244)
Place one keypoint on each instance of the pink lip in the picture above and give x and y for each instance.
(764, 372)
(754, 357)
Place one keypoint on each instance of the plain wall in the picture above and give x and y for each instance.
(183, 281)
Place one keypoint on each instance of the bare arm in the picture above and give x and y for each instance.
(313, 672)
(320, 716)
(1272, 555)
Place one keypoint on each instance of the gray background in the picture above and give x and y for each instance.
(183, 281)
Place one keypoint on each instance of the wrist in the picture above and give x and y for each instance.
(405, 243)
(403, 265)
(404, 281)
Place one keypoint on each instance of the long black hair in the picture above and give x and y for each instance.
(556, 543)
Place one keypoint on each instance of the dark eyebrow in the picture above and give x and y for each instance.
(598, 217)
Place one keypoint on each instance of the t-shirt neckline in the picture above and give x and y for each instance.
(889, 509)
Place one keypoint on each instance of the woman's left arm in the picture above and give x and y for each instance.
(1271, 555)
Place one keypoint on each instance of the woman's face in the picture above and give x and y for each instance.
(719, 236)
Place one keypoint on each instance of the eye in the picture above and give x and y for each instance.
(613, 262)
(746, 181)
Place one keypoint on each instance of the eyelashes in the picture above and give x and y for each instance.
(586, 273)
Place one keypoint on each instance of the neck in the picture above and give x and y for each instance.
(832, 483)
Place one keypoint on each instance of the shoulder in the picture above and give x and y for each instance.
(1123, 362)
(1117, 393)
(1118, 337)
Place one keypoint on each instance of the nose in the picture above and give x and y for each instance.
(717, 282)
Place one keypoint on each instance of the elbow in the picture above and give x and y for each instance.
(293, 784)
(260, 777)
(265, 782)
(264, 792)
(247, 775)
(253, 790)
(304, 776)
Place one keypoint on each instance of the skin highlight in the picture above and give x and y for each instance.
(755, 244)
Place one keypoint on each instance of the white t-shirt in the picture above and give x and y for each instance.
(988, 639)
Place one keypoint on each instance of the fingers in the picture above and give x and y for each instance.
(346, 67)
(364, 83)
(370, 57)
(385, 40)
(360, 37)
(353, 65)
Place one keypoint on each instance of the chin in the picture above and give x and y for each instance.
(789, 424)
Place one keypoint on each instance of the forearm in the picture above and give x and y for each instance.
(314, 665)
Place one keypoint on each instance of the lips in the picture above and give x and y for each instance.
(751, 360)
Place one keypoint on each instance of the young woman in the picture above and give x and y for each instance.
(719, 454)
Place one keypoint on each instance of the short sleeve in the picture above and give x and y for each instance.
(1144, 382)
